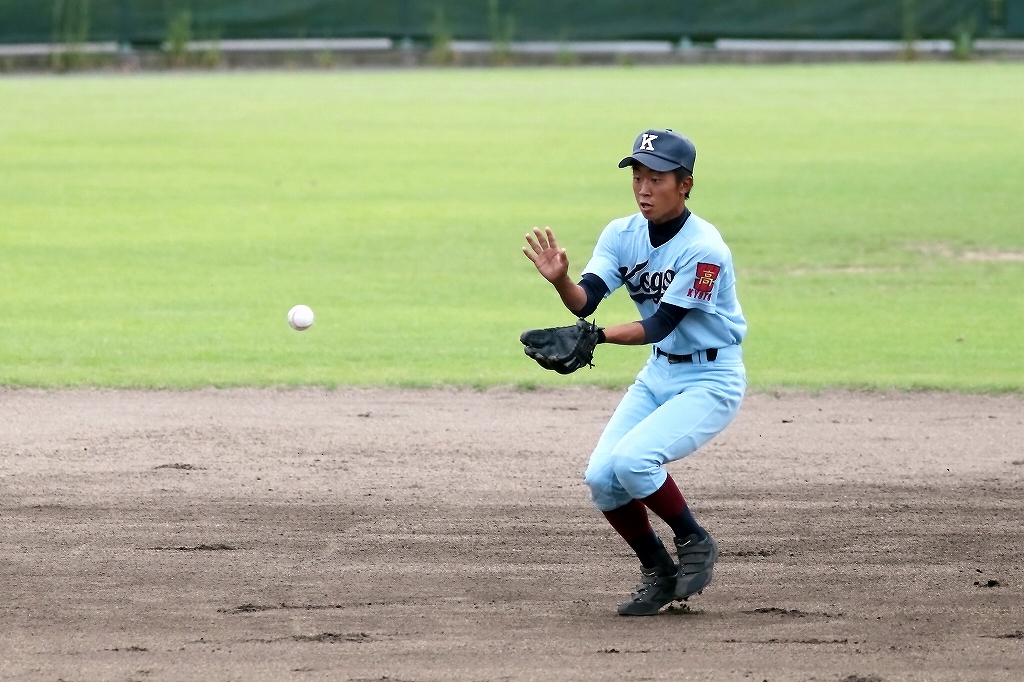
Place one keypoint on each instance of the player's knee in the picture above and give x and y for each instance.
(598, 476)
(635, 471)
(605, 491)
(626, 466)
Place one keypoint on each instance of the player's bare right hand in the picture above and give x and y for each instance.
(547, 256)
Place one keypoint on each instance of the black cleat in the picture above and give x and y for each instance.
(654, 591)
(696, 563)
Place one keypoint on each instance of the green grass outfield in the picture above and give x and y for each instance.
(155, 229)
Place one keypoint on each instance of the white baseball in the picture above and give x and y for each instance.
(300, 317)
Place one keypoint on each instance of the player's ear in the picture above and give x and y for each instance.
(685, 185)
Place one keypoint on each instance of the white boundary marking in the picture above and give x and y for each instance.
(846, 46)
(981, 45)
(294, 45)
(32, 49)
(579, 47)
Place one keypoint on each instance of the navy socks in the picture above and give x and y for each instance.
(652, 553)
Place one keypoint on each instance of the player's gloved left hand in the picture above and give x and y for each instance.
(563, 349)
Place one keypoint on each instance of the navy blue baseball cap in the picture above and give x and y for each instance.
(662, 151)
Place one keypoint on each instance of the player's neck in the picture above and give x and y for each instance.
(660, 233)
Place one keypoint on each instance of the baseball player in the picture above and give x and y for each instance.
(679, 273)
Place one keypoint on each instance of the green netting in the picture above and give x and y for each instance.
(1013, 18)
(147, 21)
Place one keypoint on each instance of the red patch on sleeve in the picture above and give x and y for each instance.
(706, 276)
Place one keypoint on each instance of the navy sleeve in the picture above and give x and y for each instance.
(662, 322)
(596, 291)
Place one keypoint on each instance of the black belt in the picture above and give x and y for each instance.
(711, 354)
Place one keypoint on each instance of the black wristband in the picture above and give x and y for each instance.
(600, 335)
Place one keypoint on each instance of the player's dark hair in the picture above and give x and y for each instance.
(681, 175)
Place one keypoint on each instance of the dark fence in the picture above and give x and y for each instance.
(149, 21)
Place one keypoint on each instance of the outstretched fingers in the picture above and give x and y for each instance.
(551, 238)
(533, 244)
(541, 237)
(541, 240)
(544, 252)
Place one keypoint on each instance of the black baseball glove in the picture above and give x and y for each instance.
(563, 349)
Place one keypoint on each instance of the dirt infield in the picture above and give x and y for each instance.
(444, 534)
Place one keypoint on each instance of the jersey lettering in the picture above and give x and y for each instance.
(627, 273)
(704, 282)
(649, 286)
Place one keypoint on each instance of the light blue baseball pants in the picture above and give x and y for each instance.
(669, 412)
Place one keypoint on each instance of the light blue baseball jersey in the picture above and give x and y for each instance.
(693, 270)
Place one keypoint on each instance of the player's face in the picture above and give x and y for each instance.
(659, 195)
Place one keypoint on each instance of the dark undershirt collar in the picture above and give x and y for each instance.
(660, 234)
